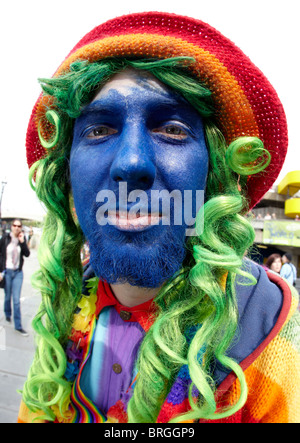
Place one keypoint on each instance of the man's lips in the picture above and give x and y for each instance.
(127, 221)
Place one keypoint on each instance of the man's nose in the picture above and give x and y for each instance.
(133, 164)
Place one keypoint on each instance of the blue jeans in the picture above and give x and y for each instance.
(13, 285)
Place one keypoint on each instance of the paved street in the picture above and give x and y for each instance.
(16, 352)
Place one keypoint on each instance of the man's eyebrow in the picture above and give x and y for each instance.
(177, 109)
(100, 106)
(170, 105)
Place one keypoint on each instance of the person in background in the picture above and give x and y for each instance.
(288, 270)
(13, 249)
(30, 235)
(274, 263)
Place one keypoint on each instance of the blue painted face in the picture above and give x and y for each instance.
(139, 132)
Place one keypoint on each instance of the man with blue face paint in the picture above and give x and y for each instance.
(152, 139)
(148, 112)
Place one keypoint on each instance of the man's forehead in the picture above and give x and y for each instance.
(125, 81)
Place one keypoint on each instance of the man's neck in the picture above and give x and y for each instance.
(131, 296)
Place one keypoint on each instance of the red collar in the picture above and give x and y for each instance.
(143, 313)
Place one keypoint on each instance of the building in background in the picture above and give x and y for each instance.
(276, 220)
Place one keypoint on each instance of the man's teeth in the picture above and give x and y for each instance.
(127, 220)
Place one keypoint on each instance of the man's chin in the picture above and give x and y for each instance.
(139, 263)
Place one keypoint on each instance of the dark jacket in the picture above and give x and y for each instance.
(4, 242)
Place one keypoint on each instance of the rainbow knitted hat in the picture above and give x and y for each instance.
(246, 103)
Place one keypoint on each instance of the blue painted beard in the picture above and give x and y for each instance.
(138, 259)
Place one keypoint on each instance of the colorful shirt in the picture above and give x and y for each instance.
(115, 344)
(113, 336)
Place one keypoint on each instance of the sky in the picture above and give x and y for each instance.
(36, 36)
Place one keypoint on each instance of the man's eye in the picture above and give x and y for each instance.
(100, 132)
(172, 131)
